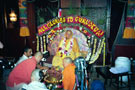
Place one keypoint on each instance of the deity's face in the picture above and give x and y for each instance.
(68, 34)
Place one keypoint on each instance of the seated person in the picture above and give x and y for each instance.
(26, 54)
(68, 47)
(21, 74)
(68, 74)
(35, 84)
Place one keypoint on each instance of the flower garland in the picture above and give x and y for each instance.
(95, 57)
(65, 50)
(37, 43)
(44, 41)
(89, 51)
(92, 39)
(89, 43)
(41, 44)
(88, 55)
(94, 48)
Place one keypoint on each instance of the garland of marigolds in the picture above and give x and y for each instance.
(44, 42)
(41, 44)
(37, 43)
(96, 55)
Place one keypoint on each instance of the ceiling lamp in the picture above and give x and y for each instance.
(13, 16)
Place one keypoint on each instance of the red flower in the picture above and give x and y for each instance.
(65, 52)
(60, 49)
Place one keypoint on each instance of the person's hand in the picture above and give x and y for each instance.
(42, 67)
(44, 71)
(46, 68)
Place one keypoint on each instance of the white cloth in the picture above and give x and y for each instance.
(1, 45)
(35, 85)
(22, 58)
(116, 70)
(16, 87)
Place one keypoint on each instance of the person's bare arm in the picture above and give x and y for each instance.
(41, 67)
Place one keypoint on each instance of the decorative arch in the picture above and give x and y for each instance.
(91, 39)
(86, 25)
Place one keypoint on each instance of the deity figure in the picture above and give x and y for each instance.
(68, 47)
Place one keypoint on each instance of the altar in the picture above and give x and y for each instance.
(91, 41)
(53, 79)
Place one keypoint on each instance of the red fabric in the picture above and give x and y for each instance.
(69, 77)
(22, 72)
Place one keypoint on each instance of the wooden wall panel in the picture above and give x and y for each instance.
(124, 50)
(69, 3)
(31, 40)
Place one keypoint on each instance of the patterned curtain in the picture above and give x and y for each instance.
(24, 30)
(129, 31)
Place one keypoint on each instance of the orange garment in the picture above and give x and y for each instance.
(69, 77)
